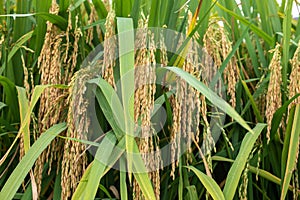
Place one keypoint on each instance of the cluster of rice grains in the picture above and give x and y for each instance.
(145, 88)
(90, 35)
(273, 97)
(190, 111)
(187, 106)
(57, 63)
(74, 160)
(294, 88)
(218, 46)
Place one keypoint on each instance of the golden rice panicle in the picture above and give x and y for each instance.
(190, 106)
(74, 161)
(219, 46)
(28, 94)
(141, 99)
(178, 103)
(180, 111)
(155, 157)
(295, 182)
(93, 17)
(109, 49)
(273, 97)
(107, 4)
(54, 59)
(244, 185)
(163, 51)
(175, 132)
(145, 88)
(294, 86)
(186, 101)
(191, 101)
(197, 72)
(49, 63)
(71, 58)
(142, 61)
(74, 158)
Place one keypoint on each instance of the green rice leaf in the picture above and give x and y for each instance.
(238, 166)
(292, 154)
(210, 185)
(287, 24)
(210, 95)
(99, 164)
(18, 175)
(2, 105)
(80, 190)
(11, 99)
(126, 58)
(19, 44)
(59, 21)
(254, 28)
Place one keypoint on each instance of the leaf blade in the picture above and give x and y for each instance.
(240, 161)
(16, 178)
(211, 186)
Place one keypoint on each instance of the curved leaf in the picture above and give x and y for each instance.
(238, 166)
(210, 185)
(292, 154)
(54, 19)
(11, 99)
(17, 177)
(210, 95)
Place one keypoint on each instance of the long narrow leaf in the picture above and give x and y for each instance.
(101, 158)
(293, 147)
(210, 95)
(24, 105)
(126, 58)
(11, 99)
(82, 184)
(260, 172)
(17, 177)
(254, 28)
(287, 24)
(210, 185)
(19, 44)
(240, 161)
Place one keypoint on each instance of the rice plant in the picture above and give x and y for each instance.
(155, 99)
